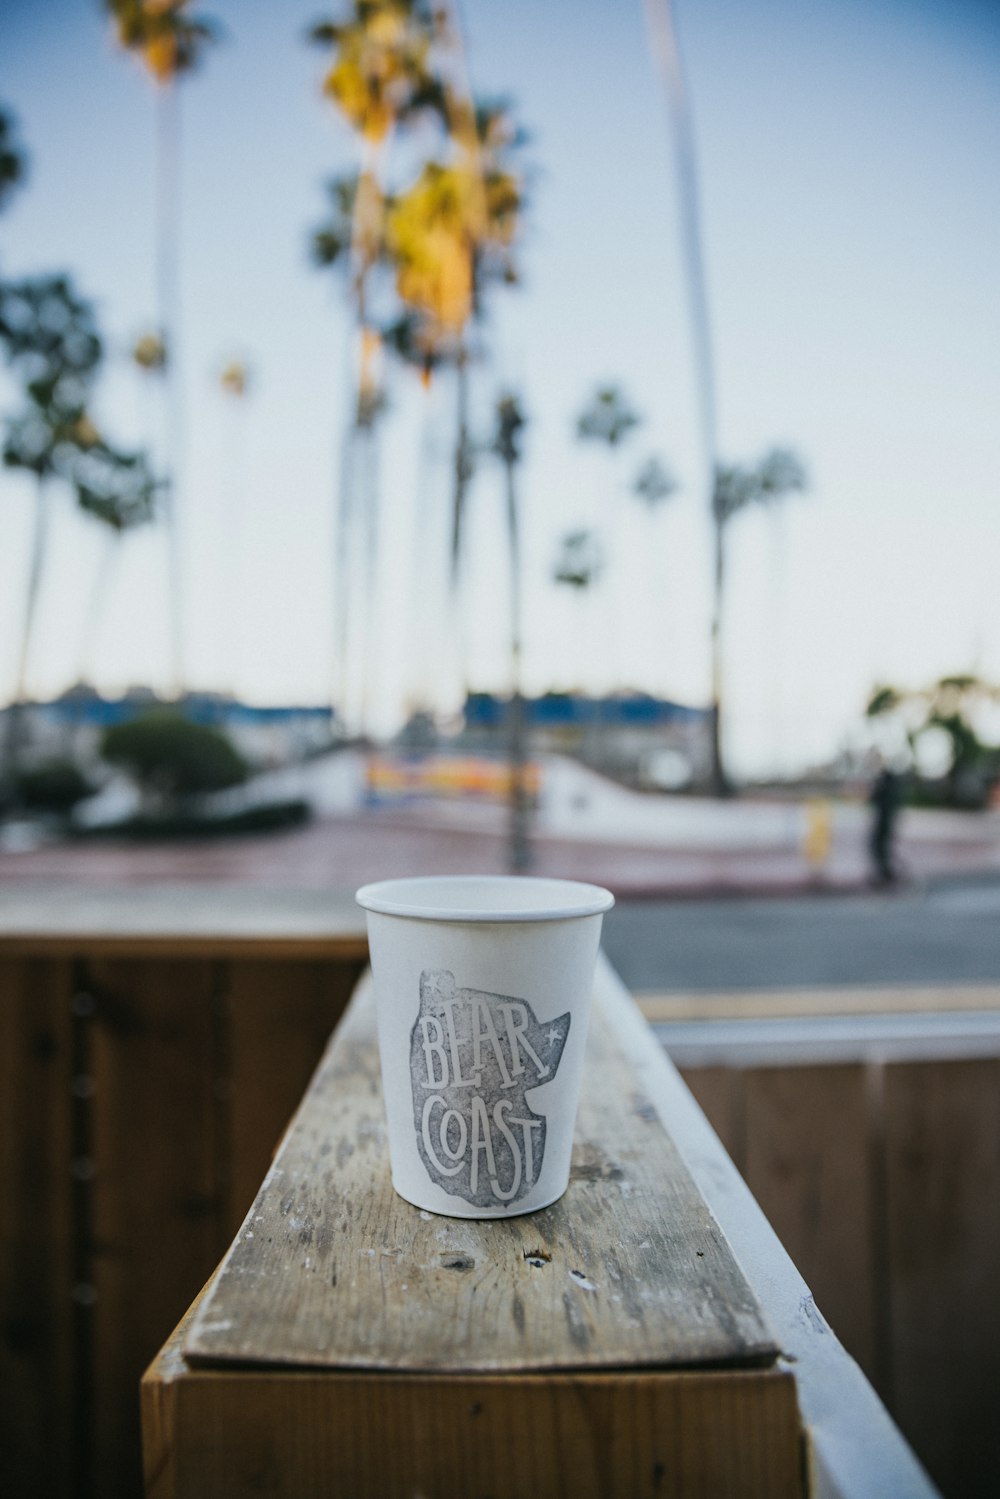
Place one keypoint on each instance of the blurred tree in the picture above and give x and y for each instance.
(380, 73)
(149, 353)
(234, 379)
(118, 490)
(169, 42)
(578, 565)
(579, 561)
(54, 786)
(13, 165)
(953, 708)
(779, 474)
(510, 421)
(380, 78)
(235, 384)
(50, 339)
(608, 419)
(654, 485)
(173, 760)
(452, 234)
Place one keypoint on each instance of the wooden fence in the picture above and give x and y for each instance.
(145, 1079)
(153, 1046)
(873, 1146)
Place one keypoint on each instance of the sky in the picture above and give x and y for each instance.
(846, 152)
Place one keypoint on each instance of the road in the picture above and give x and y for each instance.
(949, 934)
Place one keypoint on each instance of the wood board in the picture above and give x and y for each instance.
(332, 1269)
(173, 921)
(222, 1431)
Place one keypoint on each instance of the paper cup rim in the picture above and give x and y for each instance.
(498, 897)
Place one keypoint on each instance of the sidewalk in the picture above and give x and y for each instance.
(342, 852)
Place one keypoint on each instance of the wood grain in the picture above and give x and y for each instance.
(333, 1269)
(718, 1092)
(807, 1149)
(38, 1416)
(942, 1172)
(279, 1016)
(157, 1216)
(218, 1434)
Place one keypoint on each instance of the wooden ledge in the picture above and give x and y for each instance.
(332, 1269)
(178, 921)
(220, 1432)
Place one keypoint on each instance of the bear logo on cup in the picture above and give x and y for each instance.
(473, 1056)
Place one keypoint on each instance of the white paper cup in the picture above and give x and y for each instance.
(482, 992)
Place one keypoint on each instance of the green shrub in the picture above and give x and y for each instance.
(53, 786)
(171, 758)
(267, 817)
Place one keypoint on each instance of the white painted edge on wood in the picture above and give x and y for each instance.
(856, 1451)
(831, 1039)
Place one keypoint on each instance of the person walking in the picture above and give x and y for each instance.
(885, 799)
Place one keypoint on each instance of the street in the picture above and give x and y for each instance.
(944, 934)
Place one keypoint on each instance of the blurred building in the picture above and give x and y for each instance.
(642, 740)
(71, 726)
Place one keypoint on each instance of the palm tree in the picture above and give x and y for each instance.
(667, 56)
(608, 419)
(50, 339)
(578, 566)
(379, 79)
(169, 42)
(353, 237)
(778, 474)
(451, 235)
(654, 485)
(12, 161)
(580, 561)
(507, 447)
(118, 490)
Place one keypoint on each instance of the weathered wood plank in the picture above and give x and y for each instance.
(222, 1432)
(942, 1173)
(158, 1223)
(279, 1017)
(807, 1164)
(39, 1433)
(332, 1268)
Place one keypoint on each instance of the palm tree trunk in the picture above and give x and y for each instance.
(462, 464)
(342, 573)
(718, 780)
(666, 51)
(167, 294)
(369, 612)
(359, 463)
(95, 607)
(427, 563)
(519, 848)
(462, 473)
(36, 566)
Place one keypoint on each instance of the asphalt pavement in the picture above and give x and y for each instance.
(938, 935)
